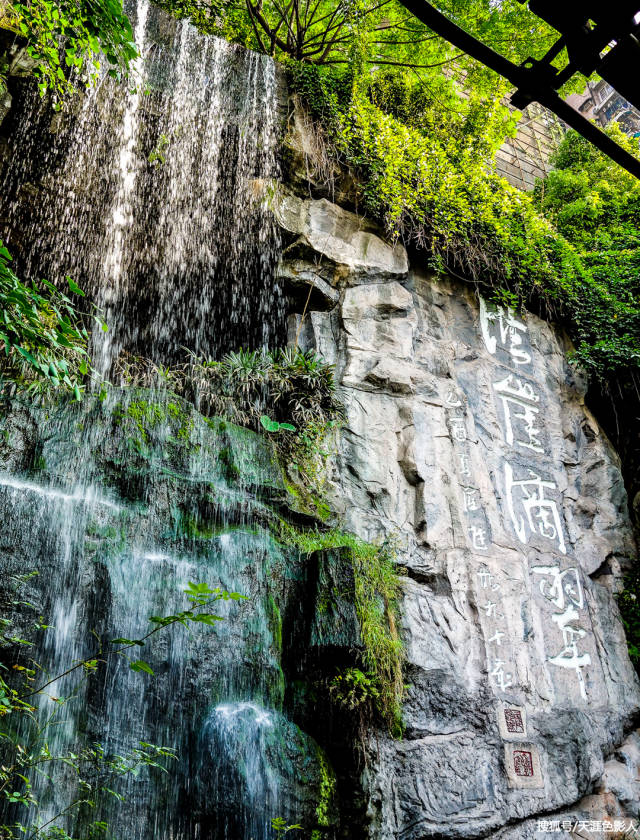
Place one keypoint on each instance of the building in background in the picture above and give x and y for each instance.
(524, 158)
(602, 103)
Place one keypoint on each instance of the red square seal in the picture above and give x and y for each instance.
(513, 720)
(522, 763)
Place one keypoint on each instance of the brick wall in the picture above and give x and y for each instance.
(524, 158)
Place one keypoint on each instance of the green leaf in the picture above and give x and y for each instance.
(207, 618)
(269, 424)
(28, 356)
(74, 287)
(139, 665)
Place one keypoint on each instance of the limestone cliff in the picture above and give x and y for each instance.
(468, 439)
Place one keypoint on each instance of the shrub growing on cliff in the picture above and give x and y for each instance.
(42, 334)
(288, 386)
(426, 178)
(629, 603)
(595, 205)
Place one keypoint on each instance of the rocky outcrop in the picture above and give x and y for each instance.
(468, 440)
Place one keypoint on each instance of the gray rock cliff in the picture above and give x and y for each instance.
(468, 440)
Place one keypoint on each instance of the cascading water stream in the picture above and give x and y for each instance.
(116, 539)
(152, 198)
(121, 215)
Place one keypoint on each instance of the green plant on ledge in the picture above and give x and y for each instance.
(290, 395)
(629, 604)
(353, 689)
(274, 426)
(279, 825)
(377, 595)
(262, 390)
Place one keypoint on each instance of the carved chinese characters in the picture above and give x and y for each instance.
(498, 644)
(531, 511)
(532, 501)
(564, 591)
(520, 407)
(478, 532)
(500, 325)
(531, 496)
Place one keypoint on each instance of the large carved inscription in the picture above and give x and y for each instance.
(563, 590)
(532, 509)
(532, 496)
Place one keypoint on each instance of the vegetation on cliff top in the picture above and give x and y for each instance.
(418, 123)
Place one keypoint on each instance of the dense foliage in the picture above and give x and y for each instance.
(363, 34)
(65, 40)
(42, 332)
(426, 176)
(293, 389)
(629, 603)
(595, 205)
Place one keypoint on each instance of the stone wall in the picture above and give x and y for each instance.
(468, 440)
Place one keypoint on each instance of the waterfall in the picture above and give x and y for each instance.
(153, 196)
(122, 210)
(116, 537)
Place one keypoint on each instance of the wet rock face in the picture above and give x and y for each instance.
(468, 438)
(117, 505)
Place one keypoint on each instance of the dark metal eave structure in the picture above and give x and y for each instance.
(586, 31)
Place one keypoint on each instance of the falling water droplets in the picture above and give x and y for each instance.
(151, 196)
(108, 296)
